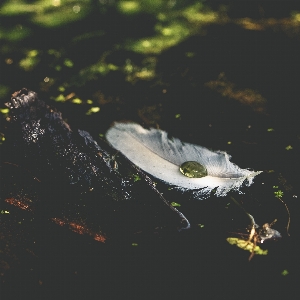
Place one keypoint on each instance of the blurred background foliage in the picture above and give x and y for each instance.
(86, 40)
(60, 45)
(154, 61)
(222, 74)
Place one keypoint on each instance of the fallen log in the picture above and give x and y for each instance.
(82, 183)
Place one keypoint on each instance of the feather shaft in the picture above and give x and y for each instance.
(156, 154)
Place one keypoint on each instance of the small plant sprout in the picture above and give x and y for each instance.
(255, 235)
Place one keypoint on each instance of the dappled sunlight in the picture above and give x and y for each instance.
(21, 202)
(49, 13)
(245, 96)
(288, 25)
(173, 28)
(247, 245)
(222, 76)
(79, 228)
(30, 61)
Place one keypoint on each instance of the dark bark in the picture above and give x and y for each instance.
(79, 179)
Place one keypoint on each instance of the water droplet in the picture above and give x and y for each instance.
(193, 169)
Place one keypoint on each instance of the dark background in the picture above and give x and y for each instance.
(221, 74)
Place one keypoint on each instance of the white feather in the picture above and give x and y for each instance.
(153, 152)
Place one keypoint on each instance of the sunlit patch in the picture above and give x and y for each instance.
(129, 7)
(99, 238)
(54, 52)
(60, 98)
(22, 203)
(244, 96)
(166, 31)
(68, 63)
(80, 229)
(297, 17)
(248, 23)
(93, 110)
(8, 61)
(56, 2)
(4, 110)
(30, 61)
(61, 88)
(77, 228)
(246, 245)
(77, 101)
(76, 9)
(170, 159)
(196, 14)
(286, 24)
(146, 43)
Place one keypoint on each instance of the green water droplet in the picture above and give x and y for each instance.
(193, 169)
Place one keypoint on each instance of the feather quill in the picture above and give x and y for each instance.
(156, 154)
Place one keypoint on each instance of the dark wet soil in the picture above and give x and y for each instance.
(39, 259)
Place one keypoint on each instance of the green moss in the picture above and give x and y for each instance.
(136, 178)
(279, 194)
(4, 111)
(246, 245)
(167, 37)
(77, 101)
(175, 204)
